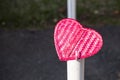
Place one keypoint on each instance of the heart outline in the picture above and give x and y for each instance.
(66, 25)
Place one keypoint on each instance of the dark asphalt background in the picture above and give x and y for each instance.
(30, 55)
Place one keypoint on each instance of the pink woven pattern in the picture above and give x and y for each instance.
(74, 42)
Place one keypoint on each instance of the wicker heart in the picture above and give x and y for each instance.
(72, 41)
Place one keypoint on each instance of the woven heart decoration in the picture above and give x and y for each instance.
(72, 41)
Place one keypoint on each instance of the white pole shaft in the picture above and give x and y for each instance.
(71, 8)
(75, 68)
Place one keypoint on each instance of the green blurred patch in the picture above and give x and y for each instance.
(37, 14)
(29, 13)
(99, 12)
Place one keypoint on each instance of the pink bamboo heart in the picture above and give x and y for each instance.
(72, 41)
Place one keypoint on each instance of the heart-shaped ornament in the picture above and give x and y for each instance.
(72, 41)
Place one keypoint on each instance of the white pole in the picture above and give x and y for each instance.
(71, 8)
(75, 68)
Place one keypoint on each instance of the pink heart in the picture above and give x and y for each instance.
(72, 41)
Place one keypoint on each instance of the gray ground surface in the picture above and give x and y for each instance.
(30, 55)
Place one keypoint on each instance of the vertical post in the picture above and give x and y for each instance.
(75, 68)
(71, 8)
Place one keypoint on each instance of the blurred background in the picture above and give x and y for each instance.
(37, 14)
